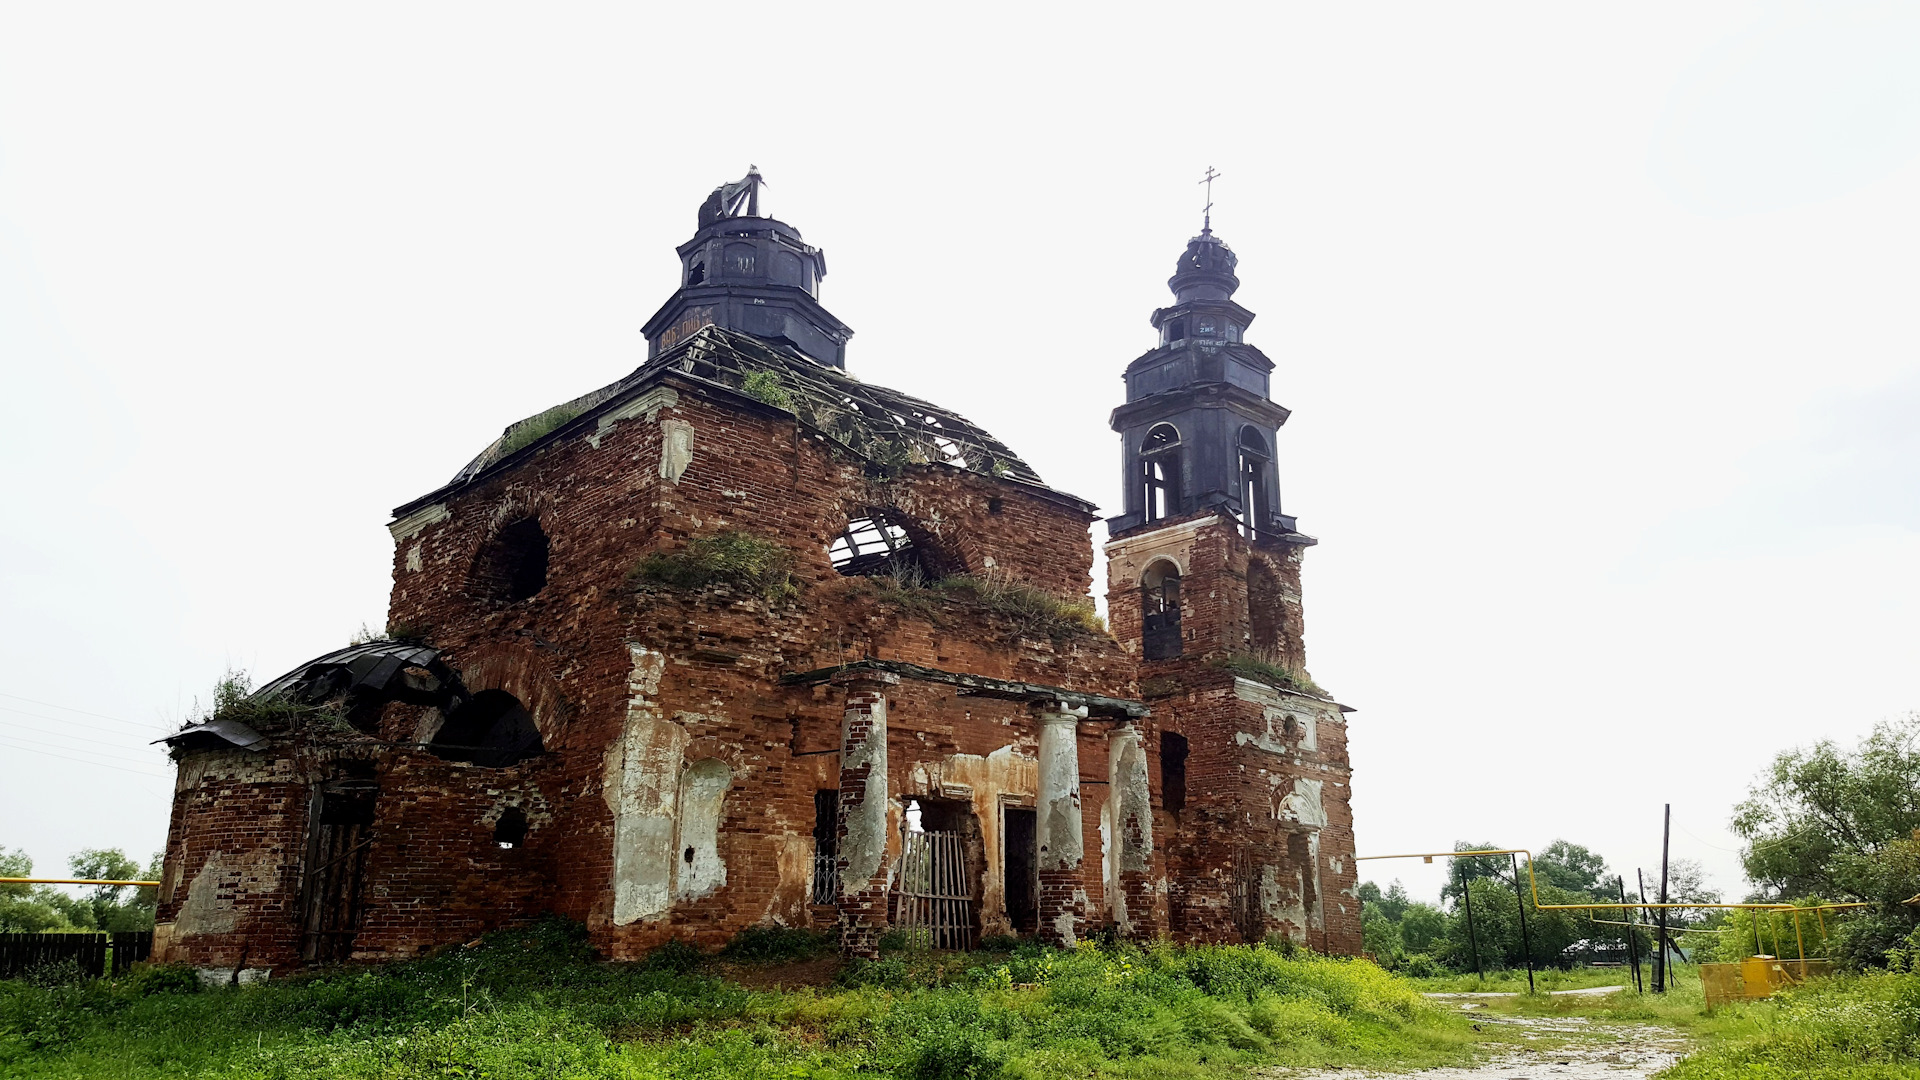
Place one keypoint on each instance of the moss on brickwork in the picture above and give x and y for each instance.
(1274, 674)
(733, 557)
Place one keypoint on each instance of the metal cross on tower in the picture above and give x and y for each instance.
(1206, 220)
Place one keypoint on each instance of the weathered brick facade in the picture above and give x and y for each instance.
(723, 753)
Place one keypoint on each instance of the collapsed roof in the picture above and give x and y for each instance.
(883, 427)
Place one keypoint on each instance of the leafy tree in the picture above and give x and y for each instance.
(1842, 824)
(1570, 866)
(28, 909)
(1472, 868)
(116, 907)
(1422, 928)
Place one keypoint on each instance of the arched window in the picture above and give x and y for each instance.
(1160, 472)
(512, 564)
(696, 275)
(1255, 460)
(511, 830)
(877, 546)
(1160, 611)
(491, 728)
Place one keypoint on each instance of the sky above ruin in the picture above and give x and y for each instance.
(1596, 322)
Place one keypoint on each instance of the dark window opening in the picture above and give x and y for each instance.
(874, 546)
(1176, 330)
(1300, 854)
(511, 830)
(1160, 472)
(1020, 864)
(1160, 612)
(512, 565)
(697, 274)
(1173, 771)
(1254, 460)
(492, 729)
(826, 846)
(994, 505)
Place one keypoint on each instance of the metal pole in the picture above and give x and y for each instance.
(1641, 877)
(1753, 917)
(1526, 941)
(1799, 941)
(1660, 979)
(1633, 935)
(1466, 897)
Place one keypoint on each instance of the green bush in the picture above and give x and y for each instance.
(1865, 1026)
(147, 979)
(731, 557)
(675, 956)
(776, 944)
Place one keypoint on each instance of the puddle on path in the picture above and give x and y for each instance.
(1579, 1050)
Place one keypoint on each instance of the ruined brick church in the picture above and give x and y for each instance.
(739, 639)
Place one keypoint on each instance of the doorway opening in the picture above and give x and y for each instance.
(1020, 864)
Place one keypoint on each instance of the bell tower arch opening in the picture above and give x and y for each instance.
(1160, 637)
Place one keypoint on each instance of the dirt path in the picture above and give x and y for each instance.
(1559, 1049)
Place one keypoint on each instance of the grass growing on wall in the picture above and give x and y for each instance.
(534, 1003)
(732, 557)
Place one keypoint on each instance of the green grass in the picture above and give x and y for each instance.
(534, 428)
(1857, 1027)
(1266, 670)
(1028, 612)
(534, 1003)
(731, 557)
(1545, 981)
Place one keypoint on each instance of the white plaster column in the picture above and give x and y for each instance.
(1060, 839)
(1130, 798)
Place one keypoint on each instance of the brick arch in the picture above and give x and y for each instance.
(710, 747)
(521, 671)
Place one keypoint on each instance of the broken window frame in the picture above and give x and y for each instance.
(1160, 633)
(1255, 458)
(1160, 473)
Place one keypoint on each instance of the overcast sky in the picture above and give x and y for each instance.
(1597, 322)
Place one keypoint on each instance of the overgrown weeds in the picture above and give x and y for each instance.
(730, 558)
(1029, 613)
(765, 386)
(1266, 669)
(536, 1003)
(534, 428)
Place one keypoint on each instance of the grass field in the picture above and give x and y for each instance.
(535, 1004)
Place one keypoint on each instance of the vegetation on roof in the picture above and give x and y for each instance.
(1031, 613)
(765, 386)
(730, 558)
(1267, 669)
(532, 429)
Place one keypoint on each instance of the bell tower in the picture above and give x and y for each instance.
(753, 274)
(1203, 587)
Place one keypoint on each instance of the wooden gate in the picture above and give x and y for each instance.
(339, 833)
(934, 902)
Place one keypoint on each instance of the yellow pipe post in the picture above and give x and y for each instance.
(72, 881)
(1800, 942)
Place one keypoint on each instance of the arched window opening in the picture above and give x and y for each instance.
(491, 729)
(1254, 462)
(1160, 472)
(697, 274)
(874, 546)
(1160, 611)
(1266, 618)
(1173, 771)
(703, 796)
(511, 830)
(512, 564)
(1176, 330)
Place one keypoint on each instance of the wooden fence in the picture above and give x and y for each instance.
(95, 954)
(935, 902)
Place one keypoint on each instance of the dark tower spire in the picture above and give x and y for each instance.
(1198, 426)
(752, 274)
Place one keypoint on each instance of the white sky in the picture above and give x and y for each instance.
(1597, 323)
